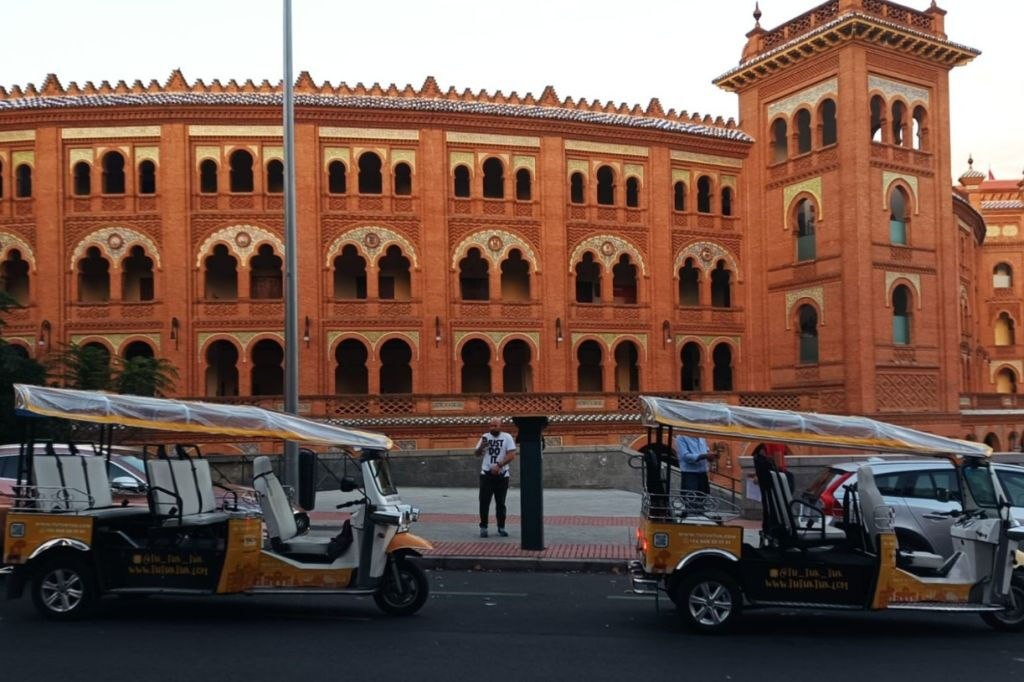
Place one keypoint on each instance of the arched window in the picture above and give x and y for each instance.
(807, 326)
(624, 281)
(576, 194)
(403, 179)
(461, 182)
(780, 141)
(474, 282)
(679, 196)
(901, 315)
(349, 274)
(93, 277)
(877, 118)
(138, 349)
(240, 163)
(476, 367)
(829, 128)
(1002, 276)
(393, 280)
(588, 280)
(992, 440)
(221, 275)
(606, 186)
(727, 201)
(208, 177)
(689, 284)
(517, 376)
(589, 369)
(1006, 381)
(265, 279)
(113, 173)
(147, 177)
(494, 179)
(704, 194)
(82, 179)
(275, 177)
(221, 369)
(920, 138)
(721, 286)
(515, 277)
(1, 179)
(899, 123)
(395, 367)
(721, 377)
(336, 178)
(137, 276)
(690, 375)
(350, 374)
(23, 181)
(524, 185)
(804, 219)
(1011, 442)
(803, 131)
(898, 217)
(15, 277)
(267, 368)
(1004, 330)
(627, 372)
(632, 192)
(370, 179)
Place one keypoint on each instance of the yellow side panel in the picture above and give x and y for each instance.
(25, 532)
(685, 539)
(242, 559)
(886, 570)
(275, 572)
(896, 586)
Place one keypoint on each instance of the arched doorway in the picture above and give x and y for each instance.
(476, 367)
(137, 276)
(349, 274)
(517, 376)
(393, 281)
(395, 367)
(15, 277)
(690, 375)
(221, 369)
(221, 275)
(992, 440)
(267, 368)
(589, 370)
(722, 373)
(627, 372)
(474, 283)
(351, 374)
(515, 277)
(93, 277)
(138, 349)
(265, 274)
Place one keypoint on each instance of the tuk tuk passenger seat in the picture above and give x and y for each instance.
(182, 490)
(71, 482)
(277, 514)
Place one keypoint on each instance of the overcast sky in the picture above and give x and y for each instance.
(625, 51)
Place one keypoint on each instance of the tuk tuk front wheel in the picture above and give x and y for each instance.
(65, 588)
(404, 588)
(1010, 619)
(709, 602)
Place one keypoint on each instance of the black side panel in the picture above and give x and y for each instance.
(179, 558)
(818, 577)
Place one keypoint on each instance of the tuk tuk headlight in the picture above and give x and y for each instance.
(414, 514)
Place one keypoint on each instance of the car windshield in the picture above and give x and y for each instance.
(134, 463)
(1013, 485)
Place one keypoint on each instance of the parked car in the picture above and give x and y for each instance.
(923, 493)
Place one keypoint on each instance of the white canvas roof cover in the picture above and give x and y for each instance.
(189, 417)
(801, 428)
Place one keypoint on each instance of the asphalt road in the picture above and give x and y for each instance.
(490, 626)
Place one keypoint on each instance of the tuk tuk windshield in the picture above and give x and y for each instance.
(979, 480)
(382, 477)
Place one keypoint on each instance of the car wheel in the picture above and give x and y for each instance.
(1010, 619)
(405, 593)
(65, 588)
(709, 602)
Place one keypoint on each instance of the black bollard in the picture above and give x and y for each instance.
(531, 480)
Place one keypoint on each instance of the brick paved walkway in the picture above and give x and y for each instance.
(485, 549)
(338, 518)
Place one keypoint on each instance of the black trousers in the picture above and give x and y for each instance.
(497, 487)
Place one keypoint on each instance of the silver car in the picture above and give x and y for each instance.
(924, 493)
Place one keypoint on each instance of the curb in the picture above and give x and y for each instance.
(469, 563)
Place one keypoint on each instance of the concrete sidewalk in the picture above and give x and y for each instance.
(584, 530)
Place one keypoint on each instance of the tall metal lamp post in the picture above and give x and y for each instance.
(291, 288)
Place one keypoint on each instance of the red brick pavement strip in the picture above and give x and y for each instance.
(623, 521)
(510, 550)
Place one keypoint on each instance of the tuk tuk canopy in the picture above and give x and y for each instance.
(187, 417)
(801, 428)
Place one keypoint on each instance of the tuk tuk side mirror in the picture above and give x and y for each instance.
(126, 484)
(348, 484)
(307, 479)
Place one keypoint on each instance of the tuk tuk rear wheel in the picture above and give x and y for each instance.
(65, 588)
(405, 594)
(709, 602)
(1010, 619)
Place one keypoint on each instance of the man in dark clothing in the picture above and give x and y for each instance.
(496, 449)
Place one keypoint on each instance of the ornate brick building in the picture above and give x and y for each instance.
(474, 253)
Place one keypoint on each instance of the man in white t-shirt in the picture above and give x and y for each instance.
(496, 449)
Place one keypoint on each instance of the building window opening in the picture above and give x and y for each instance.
(901, 316)
(403, 180)
(208, 177)
(395, 367)
(476, 367)
(371, 181)
(275, 177)
(704, 194)
(829, 127)
(727, 201)
(679, 196)
(877, 118)
(137, 276)
(393, 280)
(920, 129)
(624, 281)
(524, 185)
(517, 376)
(807, 323)
(690, 375)
(721, 286)
(93, 277)
(588, 280)
(267, 368)
(1006, 381)
(351, 376)
(23, 181)
(576, 188)
(147, 177)
(474, 281)
(780, 141)
(494, 179)
(1002, 276)
(689, 284)
(241, 171)
(898, 217)
(627, 371)
(803, 131)
(992, 440)
(221, 370)
(722, 373)
(806, 247)
(221, 280)
(589, 369)
(605, 186)
(349, 274)
(138, 349)
(1004, 331)
(15, 277)
(82, 179)
(265, 279)
(515, 277)
(899, 115)
(632, 193)
(461, 182)
(113, 173)
(1, 179)
(336, 178)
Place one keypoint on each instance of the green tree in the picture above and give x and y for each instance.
(144, 376)
(15, 368)
(83, 367)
